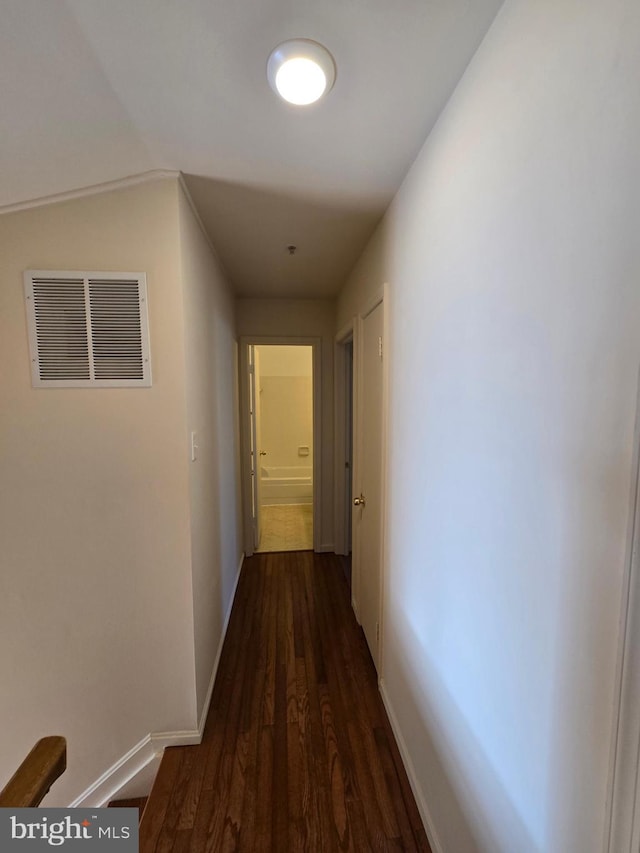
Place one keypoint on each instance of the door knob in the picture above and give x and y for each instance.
(359, 501)
(263, 453)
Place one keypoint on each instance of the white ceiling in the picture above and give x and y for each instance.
(95, 90)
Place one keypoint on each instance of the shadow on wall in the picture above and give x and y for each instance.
(583, 679)
(449, 792)
(274, 221)
(228, 452)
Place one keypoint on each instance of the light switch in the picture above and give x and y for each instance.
(194, 446)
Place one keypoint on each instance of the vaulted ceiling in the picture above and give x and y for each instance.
(96, 90)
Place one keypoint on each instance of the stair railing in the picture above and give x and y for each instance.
(37, 773)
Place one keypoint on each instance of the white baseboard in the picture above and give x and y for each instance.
(287, 500)
(117, 776)
(135, 768)
(141, 784)
(216, 663)
(326, 548)
(405, 754)
(356, 610)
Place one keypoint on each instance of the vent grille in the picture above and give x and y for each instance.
(61, 329)
(88, 329)
(116, 329)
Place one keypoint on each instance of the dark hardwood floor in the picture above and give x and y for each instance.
(132, 803)
(297, 753)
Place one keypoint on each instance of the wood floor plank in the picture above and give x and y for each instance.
(132, 803)
(395, 791)
(210, 819)
(260, 840)
(158, 803)
(240, 817)
(268, 705)
(336, 774)
(182, 843)
(280, 746)
(167, 835)
(233, 818)
(317, 764)
(297, 753)
(230, 780)
(290, 656)
(205, 769)
(348, 704)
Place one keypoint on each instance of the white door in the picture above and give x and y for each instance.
(368, 512)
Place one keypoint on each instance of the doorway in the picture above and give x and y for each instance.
(361, 380)
(368, 491)
(279, 416)
(343, 435)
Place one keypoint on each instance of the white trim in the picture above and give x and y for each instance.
(379, 299)
(112, 780)
(120, 184)
(354, 606)
(405, 754)
(318, 441)
(345, 334)
(108, 786)
(196, 214)
(161, 740)
(280, 340)
(189, 198)
(340, 509)
(53, 278)
(622, 822)
(93, 189)
(245, 451)
(121, 773)
(371, 304)
(384, 478)
(216, 663)
(356, 461)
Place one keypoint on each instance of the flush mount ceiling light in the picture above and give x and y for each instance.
(301, 71)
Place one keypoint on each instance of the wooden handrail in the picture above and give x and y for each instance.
(37, 773)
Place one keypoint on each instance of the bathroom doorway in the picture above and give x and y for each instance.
(279, 446)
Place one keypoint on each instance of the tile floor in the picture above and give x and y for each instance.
(286, 527)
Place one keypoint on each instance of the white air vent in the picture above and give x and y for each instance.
(87, 329)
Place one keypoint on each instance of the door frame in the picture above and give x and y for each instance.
(245, 427)
(354, 329)
(345, 336)
(623, 801)
(254, 439)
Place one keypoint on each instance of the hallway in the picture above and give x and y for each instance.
(297, 753)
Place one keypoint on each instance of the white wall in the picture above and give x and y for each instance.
(512, 255)
(302, 318)
(212, 406)
(95, 586)
(119, 554)
(286, 361)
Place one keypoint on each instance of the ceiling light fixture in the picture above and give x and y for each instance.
(301, 71)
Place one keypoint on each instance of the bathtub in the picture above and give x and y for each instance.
(286, 485)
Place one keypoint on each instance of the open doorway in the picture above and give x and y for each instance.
(281, 446)
(344, 397)
(360, 441)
